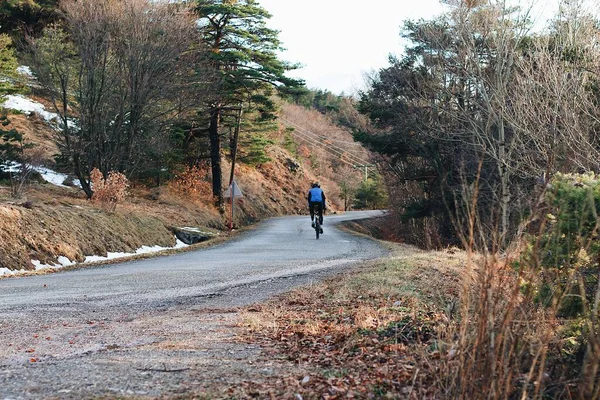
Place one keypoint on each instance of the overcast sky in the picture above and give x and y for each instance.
(338, 40)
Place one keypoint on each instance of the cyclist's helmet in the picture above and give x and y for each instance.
(314, 185)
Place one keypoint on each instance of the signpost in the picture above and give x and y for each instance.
(232, 192)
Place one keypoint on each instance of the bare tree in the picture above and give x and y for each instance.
(121, 76)
(489, 39)
(554, 110)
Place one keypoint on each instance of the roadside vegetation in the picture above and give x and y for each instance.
(374, 332)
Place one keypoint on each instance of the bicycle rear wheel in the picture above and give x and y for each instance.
(317, 227)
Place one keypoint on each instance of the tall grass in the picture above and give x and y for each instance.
(528, 324)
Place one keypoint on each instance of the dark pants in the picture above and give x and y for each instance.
(316, 205)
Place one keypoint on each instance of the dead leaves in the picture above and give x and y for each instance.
(362, 347)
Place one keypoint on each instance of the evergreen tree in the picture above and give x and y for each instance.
(244, 57)
(20, 17)
(8, 65)
(12, 142)
(9, 138)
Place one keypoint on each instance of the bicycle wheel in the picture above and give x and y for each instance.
(317, 228)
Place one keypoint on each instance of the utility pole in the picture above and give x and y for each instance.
(366, 167)
(232, 186)
(235, 143)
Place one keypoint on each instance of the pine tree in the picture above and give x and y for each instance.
(9, 138)
(20, 17)
(244, 55)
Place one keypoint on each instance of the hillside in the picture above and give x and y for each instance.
(55, 224)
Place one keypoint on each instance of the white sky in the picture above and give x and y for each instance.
(338, 40)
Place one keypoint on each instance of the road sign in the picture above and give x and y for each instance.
(235, 189)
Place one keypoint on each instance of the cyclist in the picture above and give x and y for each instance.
(316, 200)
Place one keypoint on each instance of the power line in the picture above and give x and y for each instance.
(300, 127)
(338, 153)
(315, 143)
(305, 134)
(333, 152)
(322, 137)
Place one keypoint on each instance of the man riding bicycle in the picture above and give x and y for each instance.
(316, 201)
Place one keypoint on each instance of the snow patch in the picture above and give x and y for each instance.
(65, 262)
(25, 105)
(6, 271)
(10, 166)
(53, 177)
(25, 70)
(56, 178)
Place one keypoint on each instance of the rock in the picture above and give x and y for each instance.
(28, 204)
(190, 235)
(292, 165)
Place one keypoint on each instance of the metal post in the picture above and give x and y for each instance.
(231, 222)
(235, 144)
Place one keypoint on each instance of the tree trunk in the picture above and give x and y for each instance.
(505, 182)
(85, 184)
(215, 154)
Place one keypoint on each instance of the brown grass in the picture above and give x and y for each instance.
(328, 167)
(37, 132)
(368, 333)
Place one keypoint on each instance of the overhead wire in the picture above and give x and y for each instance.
(322, 137)
(329, 147)
(340, 153)
(315, 143)
(317, 140)
(300, 127)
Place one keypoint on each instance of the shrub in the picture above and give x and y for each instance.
(529, 325)
(566, 248)
(110, 190)
(370, 194)
(193, 181)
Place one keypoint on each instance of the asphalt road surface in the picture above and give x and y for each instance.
(77, 333)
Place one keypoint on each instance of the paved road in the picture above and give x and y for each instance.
(280, 247)
(113, 330)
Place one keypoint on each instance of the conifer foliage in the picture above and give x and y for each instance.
(243, 53)
(27, 17)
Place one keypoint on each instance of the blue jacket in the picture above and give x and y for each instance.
(316, 195)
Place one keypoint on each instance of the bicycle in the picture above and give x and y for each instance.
(317, 220)
(317, 226)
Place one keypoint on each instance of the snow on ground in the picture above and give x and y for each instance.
(25, 70)
(25, 105)
(10, 166)
(141, 250)
(56, 178)
(65, 262)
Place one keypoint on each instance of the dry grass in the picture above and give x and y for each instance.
(368, 333)
(328, 167)
(37, 132)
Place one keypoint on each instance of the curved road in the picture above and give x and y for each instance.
(145, 329)
(279, 247)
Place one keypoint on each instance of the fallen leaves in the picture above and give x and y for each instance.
(353, 340)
